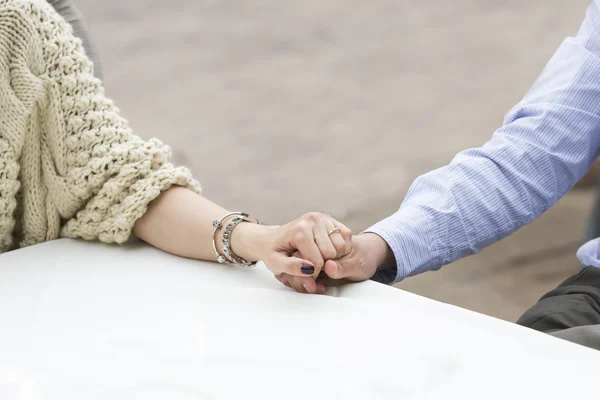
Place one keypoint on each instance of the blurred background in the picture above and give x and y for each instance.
(284, 107)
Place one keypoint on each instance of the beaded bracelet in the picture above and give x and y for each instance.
(228, 254)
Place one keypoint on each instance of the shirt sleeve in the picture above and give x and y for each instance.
(546, 144)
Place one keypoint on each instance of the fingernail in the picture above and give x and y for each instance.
(307, 269)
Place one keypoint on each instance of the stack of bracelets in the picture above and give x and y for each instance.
(228, 255)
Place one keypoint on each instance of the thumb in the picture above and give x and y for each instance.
(335, 269)
(296, 266)
(350, 269)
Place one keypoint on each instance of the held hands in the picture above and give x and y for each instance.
(299, 250)
(368, 254)
(306, 252)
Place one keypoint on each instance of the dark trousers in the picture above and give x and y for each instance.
(571, 311)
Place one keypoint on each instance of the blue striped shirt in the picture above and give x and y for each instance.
(546, 143)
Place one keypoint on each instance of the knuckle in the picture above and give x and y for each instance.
(312, 217)
(303, 225)
(300, 236)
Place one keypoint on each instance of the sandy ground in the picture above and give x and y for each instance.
(283, 107)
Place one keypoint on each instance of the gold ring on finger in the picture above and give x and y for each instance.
(334, 230)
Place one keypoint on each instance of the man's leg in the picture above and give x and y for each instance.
(588, 335)
(575, 302)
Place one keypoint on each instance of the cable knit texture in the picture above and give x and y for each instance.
(69, 164)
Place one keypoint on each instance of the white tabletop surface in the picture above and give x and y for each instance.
(91, 321)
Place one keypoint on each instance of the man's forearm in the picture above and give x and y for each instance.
(547, 143)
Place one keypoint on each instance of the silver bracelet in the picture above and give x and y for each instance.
(217, 225)
(231, 256)
(228, 254)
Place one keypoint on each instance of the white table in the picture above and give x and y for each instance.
(90, 321)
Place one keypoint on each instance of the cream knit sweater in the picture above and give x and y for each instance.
(69, 164)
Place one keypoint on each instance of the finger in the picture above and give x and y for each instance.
(307, 283)
(336, 238)
(281, 263)
(346, 235)
(321, 285)
(303, 284)
(291, 282)
(335, 269)
(283, 279)
(349, 268)
(323, 279)
(304, 241)
(310, 285)
(324, 243)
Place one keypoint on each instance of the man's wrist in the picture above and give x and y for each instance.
(376, 251)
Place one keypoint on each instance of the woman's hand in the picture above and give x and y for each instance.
(180, 222)
(299, 248)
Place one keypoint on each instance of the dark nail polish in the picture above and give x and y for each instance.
(308, 269)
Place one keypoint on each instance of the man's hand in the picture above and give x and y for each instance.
(369, 254)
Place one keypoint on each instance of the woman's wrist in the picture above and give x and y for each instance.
(250, 241)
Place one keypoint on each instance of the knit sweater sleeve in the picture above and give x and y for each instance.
(69, 12)
(99, 177)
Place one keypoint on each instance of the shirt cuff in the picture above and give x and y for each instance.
(411, 236)
(588, 254)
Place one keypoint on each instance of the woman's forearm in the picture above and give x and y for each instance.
(179, 221)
